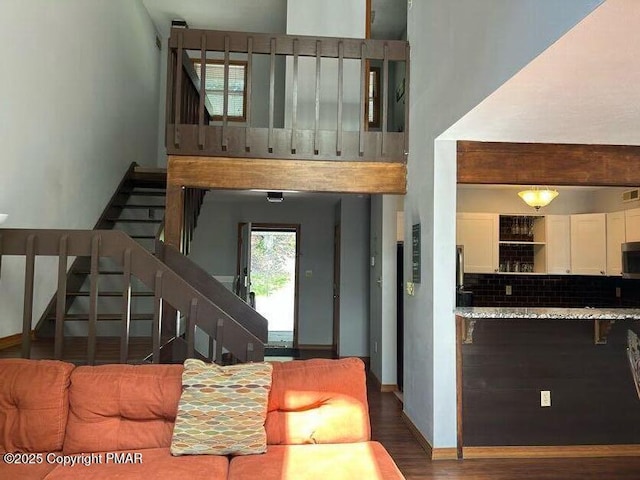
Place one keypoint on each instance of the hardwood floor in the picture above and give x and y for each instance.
(389, 429)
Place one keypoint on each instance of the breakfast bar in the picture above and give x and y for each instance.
(602, 318)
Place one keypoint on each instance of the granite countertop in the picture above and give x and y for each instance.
(504, 313)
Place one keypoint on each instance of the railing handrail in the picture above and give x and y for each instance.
(200, 279)
(306, 44)
(167, 284)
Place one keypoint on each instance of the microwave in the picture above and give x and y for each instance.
(631, 260)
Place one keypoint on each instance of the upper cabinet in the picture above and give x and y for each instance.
(558, 244)
(615, 238)
(632, 225)
(588, 244)
(478, 233)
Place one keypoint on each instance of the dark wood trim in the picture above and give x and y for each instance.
(278, 175)
(424, 443)
(562, 451)
(215, 41)
(13, 340)
(174, 212)
(548, 164)
(367, 25)
(459, 384)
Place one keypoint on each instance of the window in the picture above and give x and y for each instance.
(214, 86)
(373, 98)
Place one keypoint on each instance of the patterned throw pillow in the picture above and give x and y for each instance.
(222, 410)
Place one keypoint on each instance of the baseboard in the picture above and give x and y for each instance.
(562, 451)
(314, 347)
(432, 453)
(383, 387)
(13, 340)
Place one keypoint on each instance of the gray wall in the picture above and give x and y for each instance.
(79, 92)
(215, 248)
(354, 276)
(460, 52)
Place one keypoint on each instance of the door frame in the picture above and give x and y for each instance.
(337, 232)
(280, 227)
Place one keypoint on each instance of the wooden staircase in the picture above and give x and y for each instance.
(136, 208)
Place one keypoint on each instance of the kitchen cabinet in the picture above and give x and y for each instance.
(478, 233)
(588, 244)
(632, 225)
(615, 238)
(558, 244)
(521, 245)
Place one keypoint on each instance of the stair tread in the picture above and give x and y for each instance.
(133, 220)
(101, 272)
(139, 206)
(109, 294)
(105, 316)
(148, 193)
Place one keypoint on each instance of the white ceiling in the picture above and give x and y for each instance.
(582, 89)
(268, 16)
(264, 16)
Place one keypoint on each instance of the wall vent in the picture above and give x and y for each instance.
(631, 195)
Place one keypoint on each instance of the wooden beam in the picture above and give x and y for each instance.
(548, 164)
(174, 212)
(277, 175)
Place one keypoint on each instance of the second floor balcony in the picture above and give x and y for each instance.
(286, 97)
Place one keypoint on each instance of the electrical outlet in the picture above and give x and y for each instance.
(507, 290)
(618, 292)
(545, 398)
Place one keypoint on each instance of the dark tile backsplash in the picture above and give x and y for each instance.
(552, 291)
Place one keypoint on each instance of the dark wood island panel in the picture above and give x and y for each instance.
(593, 398)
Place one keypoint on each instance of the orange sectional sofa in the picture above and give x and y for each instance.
(58, 421)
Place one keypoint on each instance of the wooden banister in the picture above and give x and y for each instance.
(168, 286)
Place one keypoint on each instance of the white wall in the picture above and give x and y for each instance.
(383, 289)
(79, 91)
(215, 245)
(354, 276)
(505, 200)
(460, 52)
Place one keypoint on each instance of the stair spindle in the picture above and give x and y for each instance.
(61, 297)
(126, 307)
(30, 263)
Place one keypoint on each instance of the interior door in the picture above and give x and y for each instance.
(243, 285)
(336, 289)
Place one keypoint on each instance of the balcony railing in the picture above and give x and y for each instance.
(306, 97)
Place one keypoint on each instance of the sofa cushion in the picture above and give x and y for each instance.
(122, 407)
(153, 463)
(35, 471)
(222, 409)
(318, 401)
(33, 404)
(353, 461)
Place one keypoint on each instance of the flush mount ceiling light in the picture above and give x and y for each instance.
(275, 197)
(536, 197)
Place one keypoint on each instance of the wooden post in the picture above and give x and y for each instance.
(174, 212)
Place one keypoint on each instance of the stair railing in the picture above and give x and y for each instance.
(168, 286)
